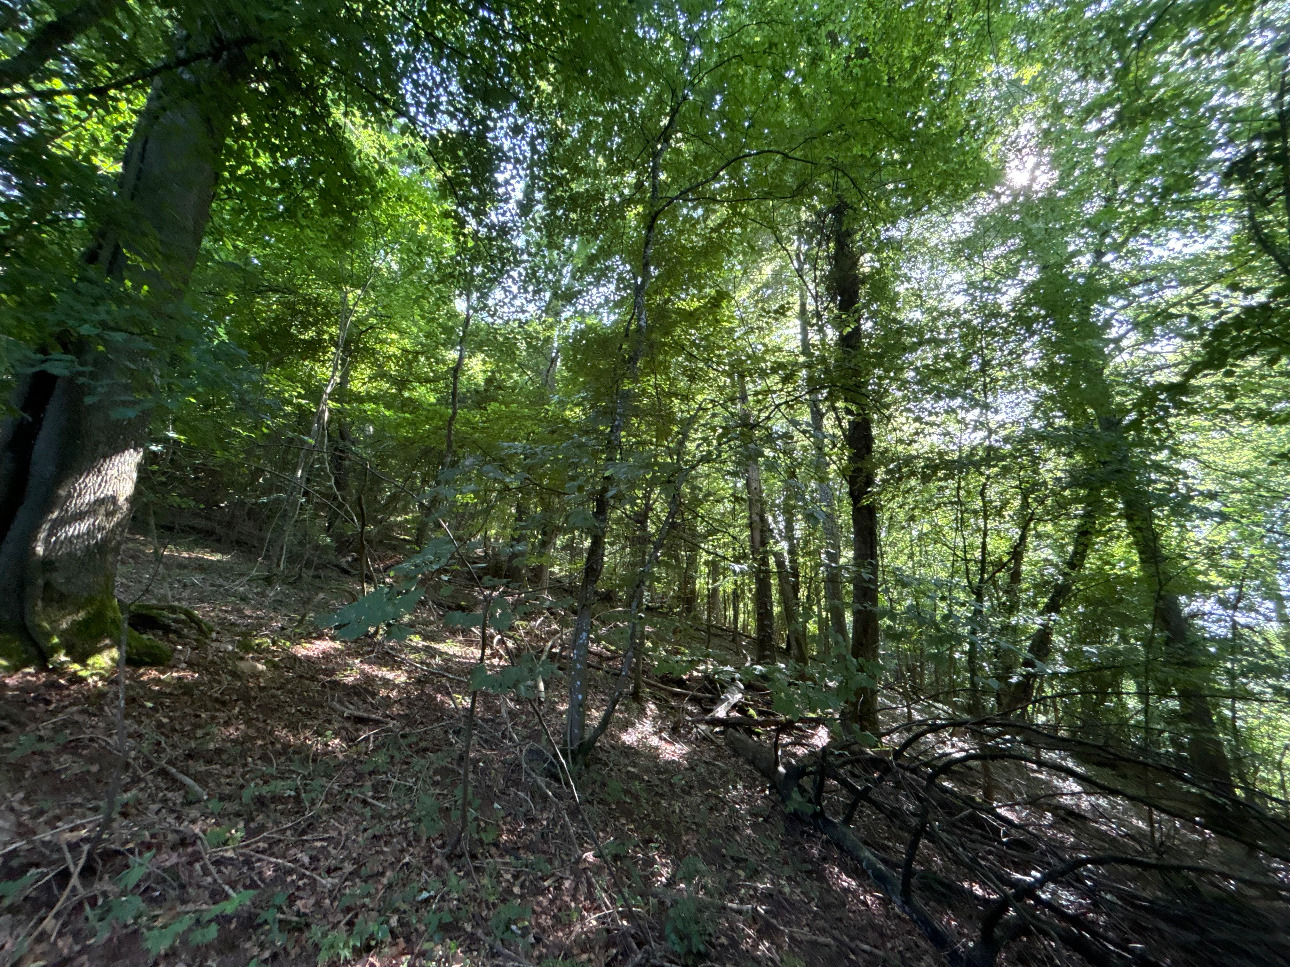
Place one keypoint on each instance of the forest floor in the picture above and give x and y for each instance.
(289, 798)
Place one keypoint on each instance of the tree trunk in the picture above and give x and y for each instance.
(1017, 695)
(758, 541)
(789, 582)
(1185, 665)
(865, 644)
(824, 491)
(68, 461)
(714, 601)
(792, 611)
(575, 717)
(50, 38)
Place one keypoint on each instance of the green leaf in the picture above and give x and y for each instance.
(378, 607)
(163, 938)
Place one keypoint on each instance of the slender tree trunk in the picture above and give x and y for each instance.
(689, 590)
(865, 643)
(454, 395)
(318, 431)
(837, 625)
(734, 617)
(1017, 695)
(758, 540)
(789, 601)
(714, 600)
(643, 565)
(68, 461)
(594, 566)
(550, 534)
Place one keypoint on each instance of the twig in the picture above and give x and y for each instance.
(53, 832)
(360, 716)
(295, 866)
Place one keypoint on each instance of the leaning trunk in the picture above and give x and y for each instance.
(1017, 695)
(68, 460)
(1185, 666)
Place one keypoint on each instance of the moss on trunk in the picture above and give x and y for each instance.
(81, 634)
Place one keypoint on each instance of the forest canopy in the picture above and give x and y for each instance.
(908, 362)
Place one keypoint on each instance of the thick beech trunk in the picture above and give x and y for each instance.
(68, 461)
(1185, 669)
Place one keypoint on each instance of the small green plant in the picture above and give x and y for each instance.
(342, 945)
(507, 919)
(687, 930)
(427, 813)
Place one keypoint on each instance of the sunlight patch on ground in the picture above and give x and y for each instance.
(363, 670)
(646, 732)
(317, 648)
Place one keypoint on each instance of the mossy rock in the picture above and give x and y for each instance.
(141, 651)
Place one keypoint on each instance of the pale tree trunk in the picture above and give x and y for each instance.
(789, 602)
(824, 490)
(789, 581)
(636, 602)
(318, 431)
(758, 540)
(714, 601)
(68, 462)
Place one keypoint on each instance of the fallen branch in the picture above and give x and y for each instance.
(786, 784)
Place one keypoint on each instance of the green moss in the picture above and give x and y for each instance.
(16, 653)
(95, 628)
(143, 650)
(249, 645)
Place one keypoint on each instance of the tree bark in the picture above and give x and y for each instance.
(50, 38)
(1185, 665)
(758, 540)
(865, 641)
(1017, 695)
(637, 326)
(69, 459)
(824, 491)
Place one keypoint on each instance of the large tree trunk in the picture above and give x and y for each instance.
(865, 643)
(68, 461)
(1185, 664)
